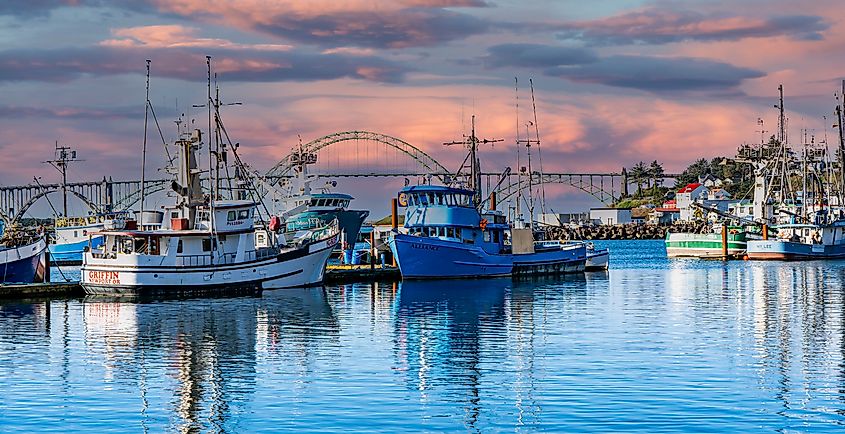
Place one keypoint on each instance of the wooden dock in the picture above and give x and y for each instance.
(334, 274)
(38, 290)
(361, 273)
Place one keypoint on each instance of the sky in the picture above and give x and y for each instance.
(616, 81)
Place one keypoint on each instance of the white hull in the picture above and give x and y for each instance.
(299, 267)
(597, 261)
(700, 252)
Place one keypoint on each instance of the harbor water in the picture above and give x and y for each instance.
(653, 345)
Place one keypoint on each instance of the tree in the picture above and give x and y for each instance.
(656, 172)
(639, 173)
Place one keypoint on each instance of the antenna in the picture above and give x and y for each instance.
(475, 165)
(61, 158)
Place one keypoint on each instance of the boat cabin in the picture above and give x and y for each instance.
(177, 242)
(448, 213)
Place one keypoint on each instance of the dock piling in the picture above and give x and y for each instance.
(725, 241)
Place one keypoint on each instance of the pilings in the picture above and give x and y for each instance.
(623, 232)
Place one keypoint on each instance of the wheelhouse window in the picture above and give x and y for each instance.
(231, 216)
(243, 214)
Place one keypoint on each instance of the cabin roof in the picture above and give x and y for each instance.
(435, 189)
(233, 204)
(689, 188)
(331, 196)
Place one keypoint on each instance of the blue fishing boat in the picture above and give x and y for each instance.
(305, 208)
(801, 242)
(22, 257)
(448, 237)
(72, 236)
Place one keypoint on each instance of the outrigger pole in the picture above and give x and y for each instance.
(144, 149)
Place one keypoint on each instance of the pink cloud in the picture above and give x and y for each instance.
(176, 36)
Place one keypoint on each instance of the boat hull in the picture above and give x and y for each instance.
(679, 245)
(304, 266)
(433, 258)
(597, 260)
(792, 251)
(24, 264)
(71, 253)
(565, 260)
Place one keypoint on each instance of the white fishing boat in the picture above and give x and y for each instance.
(202, 247)
(206, 244)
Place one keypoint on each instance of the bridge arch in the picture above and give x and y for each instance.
(25, 207)
(284, 166)
(599, 185)
(126, 202)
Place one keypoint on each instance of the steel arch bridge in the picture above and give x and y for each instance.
(432, 166)
(606, 187)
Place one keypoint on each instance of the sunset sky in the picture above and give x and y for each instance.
(617, 81)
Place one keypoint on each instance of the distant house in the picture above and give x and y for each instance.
(716, 194)
(665, 215)
(640, 215)
(685, 197)
(610, 216)
(711, 181)
(556, 219)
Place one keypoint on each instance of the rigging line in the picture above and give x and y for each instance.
(253, 189)
(539, 154)
(160, 133)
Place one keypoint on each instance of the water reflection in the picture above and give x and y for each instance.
(694, 345)
(440, 327)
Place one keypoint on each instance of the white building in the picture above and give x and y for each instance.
(685, 197)
(610, 216)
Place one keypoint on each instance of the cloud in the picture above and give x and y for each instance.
(376, 24)
(176, 36)
(73, 112)
(658, 74)
(62, 65)
(650, 73)
(537, 55)
(654, 26)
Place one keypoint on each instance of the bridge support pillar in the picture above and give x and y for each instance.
(624, 182)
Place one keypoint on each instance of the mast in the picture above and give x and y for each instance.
(144, 148)
(840, 118)
(212, 195)
(474, 163)
(63, 155)
(518, 211)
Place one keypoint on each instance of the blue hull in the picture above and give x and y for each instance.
(28, 269)
(72, 252)
(432, 258)
(787, 250)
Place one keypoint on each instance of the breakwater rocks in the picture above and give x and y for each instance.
(631, 231)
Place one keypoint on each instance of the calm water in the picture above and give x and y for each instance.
(654, 345)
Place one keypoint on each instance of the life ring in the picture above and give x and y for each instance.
(483, 224)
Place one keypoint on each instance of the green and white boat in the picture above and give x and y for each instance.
(680, 245)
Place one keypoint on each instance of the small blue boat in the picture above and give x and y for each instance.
(72, 235)
(801, 242)
(22, 258)
(448, 237)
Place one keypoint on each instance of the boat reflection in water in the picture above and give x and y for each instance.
(440, 326)
(707, 346)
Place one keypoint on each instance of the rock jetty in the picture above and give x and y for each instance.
(633, 231)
